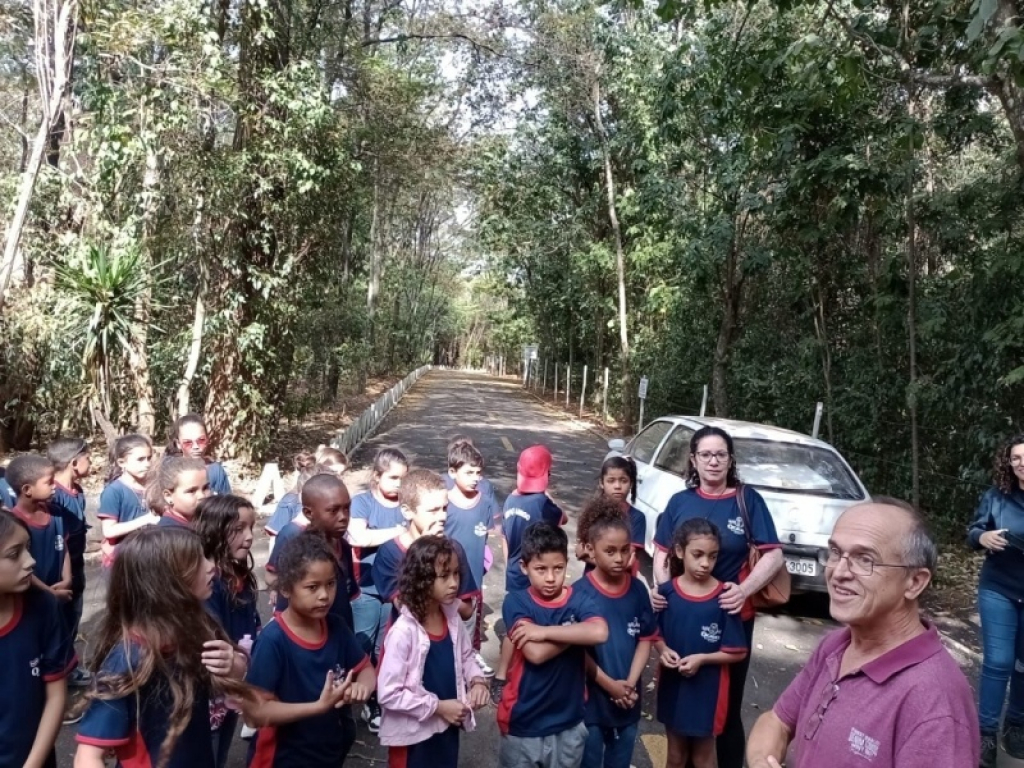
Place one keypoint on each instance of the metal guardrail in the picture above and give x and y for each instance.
(352, 436)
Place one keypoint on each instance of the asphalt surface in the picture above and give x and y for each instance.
(502, 420)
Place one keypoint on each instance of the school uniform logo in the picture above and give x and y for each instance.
(736, 526)
(58, 544)
(480, 530)
(863, 745)
(570, 621)
(712, 633)
(633, 627)
(516, 512)
(34, 666)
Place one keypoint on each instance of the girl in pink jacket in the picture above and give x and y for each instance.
(428, 683)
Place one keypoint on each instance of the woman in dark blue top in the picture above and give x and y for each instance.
(998, 528)
(713, 491)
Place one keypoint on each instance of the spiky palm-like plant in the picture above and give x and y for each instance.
(105, 287)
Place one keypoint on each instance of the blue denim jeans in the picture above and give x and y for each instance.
(370, 617)
(1002, 634)
(609, 747)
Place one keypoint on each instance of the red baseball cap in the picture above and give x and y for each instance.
(533, 469)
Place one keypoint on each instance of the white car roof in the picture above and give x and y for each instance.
(749, 430)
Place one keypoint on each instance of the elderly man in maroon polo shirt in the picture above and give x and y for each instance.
(883, 692)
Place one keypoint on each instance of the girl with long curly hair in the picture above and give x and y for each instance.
(224, 523)
(159, 658)
(998, 529)
(429, 682)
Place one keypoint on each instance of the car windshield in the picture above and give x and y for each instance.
(794, 468)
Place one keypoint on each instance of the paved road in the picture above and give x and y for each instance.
(503, 420)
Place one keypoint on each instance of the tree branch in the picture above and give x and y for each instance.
(449, 36)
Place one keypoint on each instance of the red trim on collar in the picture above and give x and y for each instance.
(23, 516)
(279, 618)
(556, 603)
(697, 598)
(72, 491)
(177, 518)
(607, 592)
(729, 494)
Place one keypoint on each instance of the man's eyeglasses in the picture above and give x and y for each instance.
(705, 457)
(188, 445)
(860, 564)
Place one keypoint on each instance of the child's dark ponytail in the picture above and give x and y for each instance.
(690, 529)
(627, 465)
(121, 448)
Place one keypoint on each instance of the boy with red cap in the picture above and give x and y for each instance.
(527, 505)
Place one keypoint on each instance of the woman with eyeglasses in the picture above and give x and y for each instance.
(189, 438)
(713, 494)
(998, 528)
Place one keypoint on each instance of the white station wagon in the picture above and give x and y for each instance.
(805, 482)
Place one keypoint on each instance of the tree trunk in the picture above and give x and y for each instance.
(620, 259)
(373, 289)
(732, 298)
(185, 387)
(915, 442)
(821, 331)
(138, 353)
(55, 30)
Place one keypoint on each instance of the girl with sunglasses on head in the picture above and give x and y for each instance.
(190, 438)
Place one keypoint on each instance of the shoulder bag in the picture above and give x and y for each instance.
(777, 591)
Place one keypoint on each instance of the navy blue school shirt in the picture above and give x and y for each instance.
(294, 671)
(235, 609)
(637, 528)
(469, 526)
(439, 668)
(366, 506)
(545, 699)
(388, 566)
(35, 650)
(48, 544)
(69, 504)
(485, 486)
(287, 509)
(121, 504)
(134, 726)
(348, 589)
(724, 512)
(218, 478)
(696, 706)
(630, 620)
(521, 511)
(171, 519)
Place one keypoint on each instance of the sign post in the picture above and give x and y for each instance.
(818, 409)
(643, 398)
(529, 356)
(583, 391)
(704, 402)
(556, 381)
(604, 399)
(568, 384)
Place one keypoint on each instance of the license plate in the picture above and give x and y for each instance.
(805, 566)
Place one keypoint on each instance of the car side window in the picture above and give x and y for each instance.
(674, 453)
(646, 443)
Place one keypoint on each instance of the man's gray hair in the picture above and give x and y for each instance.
(919, 548)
